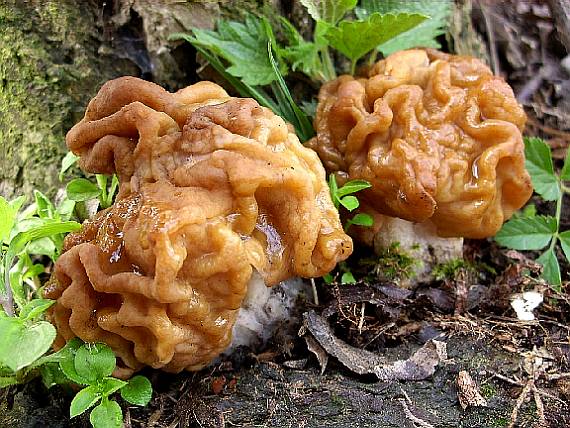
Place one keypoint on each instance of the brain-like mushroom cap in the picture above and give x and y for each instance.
(211, 187)
(437, 135)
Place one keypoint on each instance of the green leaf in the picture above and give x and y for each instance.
(110, 384)
(347, 278)
(8, 381)
(138, 391)
(108, 414)
(328, 278)
(565, 173)
(94, 361)
(350, 202)
(245, 90)
(35, 308)
(22, 343)
(362, 219)
(527, 233)
(81, 189)
(66, 163)
(551, 271)
(356, 38)
(302, 55)
(289, 109)
(8, 213)
(43, 246)
(424, 34)
(45, 208)
(52, 375)
(67, 361)
(84, 400)
(330, 11)
(353, 186)
(244, 46)
(65, 209)
(20, 240)
(539, 165)
(333, 186)
(565, 243)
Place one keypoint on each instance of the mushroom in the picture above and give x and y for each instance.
(439, 138)
(212, 188)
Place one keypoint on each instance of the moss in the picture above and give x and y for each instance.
(395, 264)
(488, 390)
(49, 68)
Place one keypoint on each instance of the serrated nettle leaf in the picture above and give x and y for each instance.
(138, 391)
(67, 162)
(244, 46)
(356, 38)
(527, 233)
(347, 278)
(8, 381)
(108, 414)
(541, 170)
(81, 189)
(565, 243)
(94, 361)
(353, 186)
(350, 202)
(565, 173)
(84, 400)
(551, 268)
(22, 344)
(330, 11)
(110, 384)
(424, 34)
(35, 308)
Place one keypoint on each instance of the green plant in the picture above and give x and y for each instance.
(344, 196)
(91, 365)
(529, 231)
(26, 234)
(269, 59)
(80, 190)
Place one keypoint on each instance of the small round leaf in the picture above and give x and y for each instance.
(81, 189)
(94, 361)
(83, 400)
(138, 391)
(108, 414)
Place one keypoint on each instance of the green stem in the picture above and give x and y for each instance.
(564, 190)
(353, 67)
(329, 70)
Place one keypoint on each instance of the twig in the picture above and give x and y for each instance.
(409, 415)
(315, 294)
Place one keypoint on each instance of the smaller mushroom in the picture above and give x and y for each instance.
(438, 136)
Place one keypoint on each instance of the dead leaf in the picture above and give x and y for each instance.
(419, 366)
(468, 392)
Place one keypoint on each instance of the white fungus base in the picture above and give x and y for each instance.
(264, 310)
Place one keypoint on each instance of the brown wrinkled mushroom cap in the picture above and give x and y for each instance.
(437, 135)
(211, 187)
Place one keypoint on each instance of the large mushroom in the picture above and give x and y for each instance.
(439, 138)
(212, 188)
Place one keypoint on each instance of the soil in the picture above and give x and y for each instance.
(521, 369)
